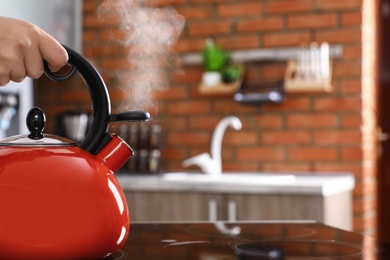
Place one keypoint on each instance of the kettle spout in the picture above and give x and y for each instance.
(115, 153)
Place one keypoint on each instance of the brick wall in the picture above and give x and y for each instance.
(306, 133)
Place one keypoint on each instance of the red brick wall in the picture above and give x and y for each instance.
(306, 133)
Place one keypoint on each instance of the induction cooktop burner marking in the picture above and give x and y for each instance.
(168, 240)
(117, 255)
(187, 243)
(298, 249)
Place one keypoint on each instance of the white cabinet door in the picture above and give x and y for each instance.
(172, 206)
(276, 207)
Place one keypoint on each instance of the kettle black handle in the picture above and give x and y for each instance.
(97, 135)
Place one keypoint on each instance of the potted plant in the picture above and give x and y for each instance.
(214, 60)
(231, 73)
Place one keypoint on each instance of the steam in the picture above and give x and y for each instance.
(149, 34)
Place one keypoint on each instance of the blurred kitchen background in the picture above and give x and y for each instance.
(334, 130)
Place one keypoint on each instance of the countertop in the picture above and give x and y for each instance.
(320, 184)
(247, 241)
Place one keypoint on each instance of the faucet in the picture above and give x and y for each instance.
(212, 165)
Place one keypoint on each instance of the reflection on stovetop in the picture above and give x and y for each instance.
(271, 232)
(247, 241)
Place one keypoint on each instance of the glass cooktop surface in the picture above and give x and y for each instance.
(247, 241)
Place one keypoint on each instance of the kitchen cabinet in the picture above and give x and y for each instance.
(333, 210)
(326, 198)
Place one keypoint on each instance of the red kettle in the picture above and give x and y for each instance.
(60, 199)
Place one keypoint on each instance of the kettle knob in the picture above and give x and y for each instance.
(35, 121)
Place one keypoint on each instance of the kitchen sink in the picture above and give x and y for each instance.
(231, 177)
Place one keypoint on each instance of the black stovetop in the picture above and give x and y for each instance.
(247, 241)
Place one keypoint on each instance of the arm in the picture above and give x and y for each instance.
(22, 48)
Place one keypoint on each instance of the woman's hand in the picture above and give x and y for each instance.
(23, 46)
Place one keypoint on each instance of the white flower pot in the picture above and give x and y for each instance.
(211, 78)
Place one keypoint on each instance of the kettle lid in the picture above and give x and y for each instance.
(35, 121)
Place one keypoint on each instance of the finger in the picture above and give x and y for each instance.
(18, 72)
(4, 73)
(53, 52)
(4, 79)
(33, 64)
(17, 77)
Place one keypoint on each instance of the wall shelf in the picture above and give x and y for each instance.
(222, 88)
(252, 55)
